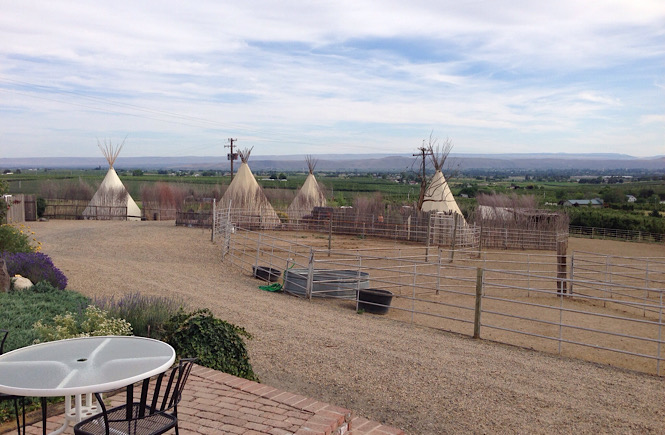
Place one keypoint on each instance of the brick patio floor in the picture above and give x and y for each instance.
(218, 403)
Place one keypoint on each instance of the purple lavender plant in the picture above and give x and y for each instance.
(35, 266)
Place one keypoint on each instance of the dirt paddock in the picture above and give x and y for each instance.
(615, 323)
(417, 378)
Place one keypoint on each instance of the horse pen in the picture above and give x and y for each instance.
(605, 308)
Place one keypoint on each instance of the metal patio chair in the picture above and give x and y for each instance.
(142, 417)
(5, 397)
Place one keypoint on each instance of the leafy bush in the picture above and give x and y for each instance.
(217, 344)
(41, 206)
(14, 239)
(20, 310)
(93, 323)
(35, 266)
(615, 219)
(147, 314)
(4, 187)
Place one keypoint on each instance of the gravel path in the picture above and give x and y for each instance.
(422, 380)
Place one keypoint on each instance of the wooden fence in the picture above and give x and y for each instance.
(22, 208)
(194, 219)
(73, 209)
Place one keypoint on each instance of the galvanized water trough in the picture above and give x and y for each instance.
(330, 283)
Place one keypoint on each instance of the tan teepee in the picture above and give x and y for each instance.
(246, 198)
(309, 196)
(438, 196)
(112, 200)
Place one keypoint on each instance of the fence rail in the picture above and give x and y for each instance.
(609, 233)
(509, 297)
(431, 229)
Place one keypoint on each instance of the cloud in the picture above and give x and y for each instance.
(348, 74)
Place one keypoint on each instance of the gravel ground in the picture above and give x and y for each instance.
(422, 380)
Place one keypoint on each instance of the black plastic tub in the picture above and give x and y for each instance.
(374, 300)
(266, 273)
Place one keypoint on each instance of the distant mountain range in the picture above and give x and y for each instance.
(355, 162)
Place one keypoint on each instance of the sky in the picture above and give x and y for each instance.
(173, 78)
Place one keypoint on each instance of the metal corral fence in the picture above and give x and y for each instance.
(509, 297)
(608, 233)
(515, 238)
(430, 229)
(625, 282)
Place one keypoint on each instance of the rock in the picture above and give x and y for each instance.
(5, 281)
(21, 283)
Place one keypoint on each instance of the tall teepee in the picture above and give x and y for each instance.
(246, 198)
(309, 196)
(112, 200)
(438, 196)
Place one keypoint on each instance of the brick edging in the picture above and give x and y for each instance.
(326, 419)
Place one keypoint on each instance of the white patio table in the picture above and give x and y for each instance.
(79, 367)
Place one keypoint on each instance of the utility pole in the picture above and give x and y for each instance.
(231, 156)
(424, 151)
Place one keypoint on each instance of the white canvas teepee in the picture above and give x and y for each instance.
(112, 200)
(309, 196)
(246, 198)
(438, 196)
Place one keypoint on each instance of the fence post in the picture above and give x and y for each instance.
(560, 323)
(429, 233)
(528, 275)
(561, 260)
(258, 250)
(360, 266)
(646, 280)
(479, 298)
(438, 273)
(408, 228)
(660, 333)
(214, 220)
(310, 275)
(413, 300)
(572, 273)
(452, 242)
(329, 235)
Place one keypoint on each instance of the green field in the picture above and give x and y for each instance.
(399, 188)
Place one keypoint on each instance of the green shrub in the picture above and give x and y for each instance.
(217, 344)
(20, 310)
(94, 322)
(4, 187)
(147, 314)
(41, 206)
(13, 239)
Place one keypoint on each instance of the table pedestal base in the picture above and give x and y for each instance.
(84, 407)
